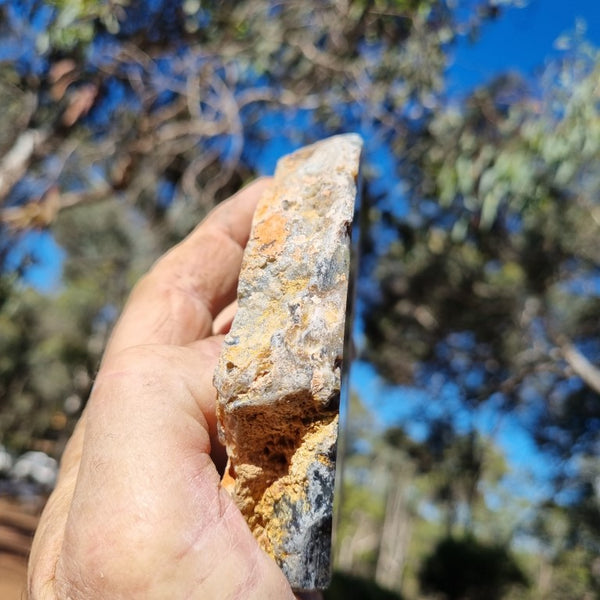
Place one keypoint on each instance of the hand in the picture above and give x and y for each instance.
(138, 511)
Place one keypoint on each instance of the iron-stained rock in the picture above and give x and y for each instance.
(278, 377)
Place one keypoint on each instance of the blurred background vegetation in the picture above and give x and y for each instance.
(472, 467)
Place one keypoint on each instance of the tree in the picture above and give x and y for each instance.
(465, 568)
(121, 116)
(491, 284)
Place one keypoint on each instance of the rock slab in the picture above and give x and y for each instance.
(279, 374)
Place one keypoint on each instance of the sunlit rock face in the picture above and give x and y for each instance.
(278, 377)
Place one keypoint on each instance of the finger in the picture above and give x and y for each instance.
(210, 348)
(223, 321)
(175, 303)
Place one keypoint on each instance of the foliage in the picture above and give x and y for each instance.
(166, 102)
(347, 587)
(465, 568)
(492, 287)
(140, 116)
(37, 389)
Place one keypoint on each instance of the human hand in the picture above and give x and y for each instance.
(138, 510)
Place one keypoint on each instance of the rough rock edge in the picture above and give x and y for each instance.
(278, 377)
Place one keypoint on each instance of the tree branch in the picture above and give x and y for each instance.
(580, 364)
(15, 162)
(41, 213)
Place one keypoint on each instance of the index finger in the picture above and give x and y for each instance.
(176, 301)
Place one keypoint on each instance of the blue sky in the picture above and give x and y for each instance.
(45, 271)
(521, 39)
(413, 408)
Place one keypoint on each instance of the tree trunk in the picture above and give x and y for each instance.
(396, 533)
(363, 539)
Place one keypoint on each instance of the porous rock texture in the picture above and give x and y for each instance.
(279, 374)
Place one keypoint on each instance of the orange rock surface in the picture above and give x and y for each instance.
(279, 374)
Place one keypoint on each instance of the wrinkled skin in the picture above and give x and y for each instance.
(138, 511)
